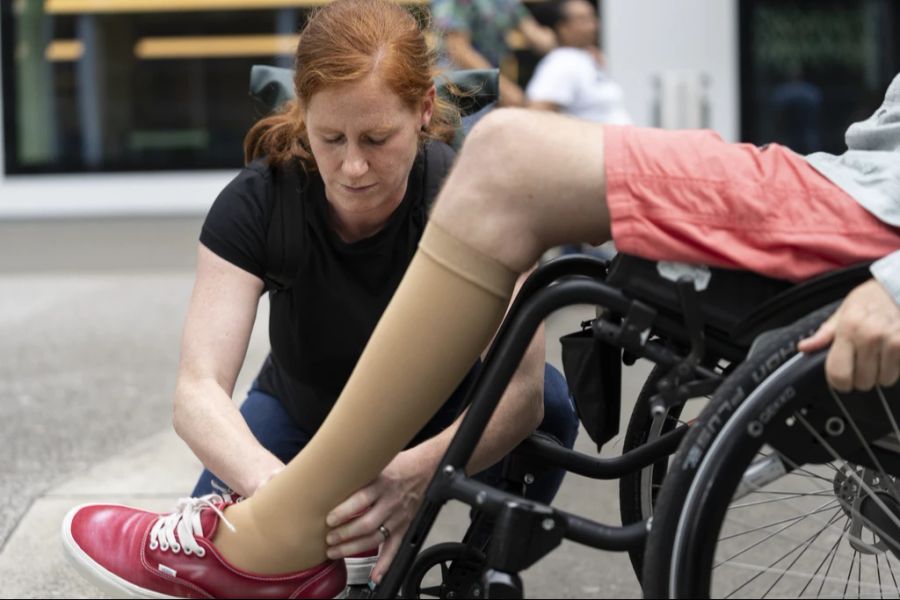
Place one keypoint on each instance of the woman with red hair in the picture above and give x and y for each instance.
(354, 153)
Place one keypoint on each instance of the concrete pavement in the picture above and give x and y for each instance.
(90, 318)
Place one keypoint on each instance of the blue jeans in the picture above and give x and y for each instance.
(281, 436)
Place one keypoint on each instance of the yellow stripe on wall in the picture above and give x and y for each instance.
(220, 46)
(60, 7)
(64, 50)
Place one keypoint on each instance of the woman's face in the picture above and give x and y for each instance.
(364, 139)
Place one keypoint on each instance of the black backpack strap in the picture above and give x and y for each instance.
(283, 248)
(438, 160)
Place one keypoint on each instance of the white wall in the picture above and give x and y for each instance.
(643, 38)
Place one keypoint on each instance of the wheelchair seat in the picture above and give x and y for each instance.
(736, 306)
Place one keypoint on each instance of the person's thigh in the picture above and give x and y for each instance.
(688, 196)
(273, 428)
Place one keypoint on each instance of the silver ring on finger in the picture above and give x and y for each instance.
(384, 531)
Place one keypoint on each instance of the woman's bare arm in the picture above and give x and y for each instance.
(217, 331)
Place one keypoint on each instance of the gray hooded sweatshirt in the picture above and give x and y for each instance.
(869, 171)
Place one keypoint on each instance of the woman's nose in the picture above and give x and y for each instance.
(354, 164)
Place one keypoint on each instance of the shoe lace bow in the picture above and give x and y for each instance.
(175, 531)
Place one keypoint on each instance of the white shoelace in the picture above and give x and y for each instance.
(185, 521)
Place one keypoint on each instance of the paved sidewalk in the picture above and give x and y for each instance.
(151, 474)
(32, 564)
(88, 352)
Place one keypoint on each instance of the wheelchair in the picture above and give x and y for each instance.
(720, 338)
(732, 340)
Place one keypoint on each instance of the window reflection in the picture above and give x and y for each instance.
(130, 85)
(812, 67)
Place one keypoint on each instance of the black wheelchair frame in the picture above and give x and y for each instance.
(522, 531)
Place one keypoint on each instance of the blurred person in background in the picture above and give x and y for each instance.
(475, 36)
(797, 111)
(572, 78)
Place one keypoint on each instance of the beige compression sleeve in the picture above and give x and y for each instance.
(445, 311)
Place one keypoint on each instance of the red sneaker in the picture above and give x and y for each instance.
(128, 552)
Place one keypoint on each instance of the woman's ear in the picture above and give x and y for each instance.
(428, 106)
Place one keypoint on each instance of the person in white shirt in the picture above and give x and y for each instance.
(572, 79)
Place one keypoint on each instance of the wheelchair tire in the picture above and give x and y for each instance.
(638, 490)
(695, 448)
(796, 459)
(459, 572)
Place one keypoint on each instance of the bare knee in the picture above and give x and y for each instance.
(478, 202)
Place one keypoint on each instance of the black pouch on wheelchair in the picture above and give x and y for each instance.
(593, 371)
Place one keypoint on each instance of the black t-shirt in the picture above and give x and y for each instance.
(318, 327)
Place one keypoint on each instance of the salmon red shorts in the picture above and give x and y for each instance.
(688, 196)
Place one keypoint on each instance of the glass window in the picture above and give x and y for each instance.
(133, 85)
(809, 68)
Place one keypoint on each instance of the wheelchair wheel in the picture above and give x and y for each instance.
(638, 490)
(798, 496)
(763, 361)
(782, 488)
(448, 570)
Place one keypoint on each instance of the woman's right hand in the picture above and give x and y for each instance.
(392, 501)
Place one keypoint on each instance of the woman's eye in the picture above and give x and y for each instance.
(377, 142)
(334, 140)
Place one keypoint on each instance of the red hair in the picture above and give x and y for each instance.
(342, 43)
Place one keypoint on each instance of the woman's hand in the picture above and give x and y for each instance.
(391, 500)
(864, 334)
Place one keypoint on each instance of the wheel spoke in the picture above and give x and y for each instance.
(802, 552)
(819, 493)
(800, 472)
(833, 556)
(831, 553)
(887, 559)
(849, 573)
(859, 576)
(792, 520)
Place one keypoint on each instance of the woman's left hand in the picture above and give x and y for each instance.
(391, 500)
